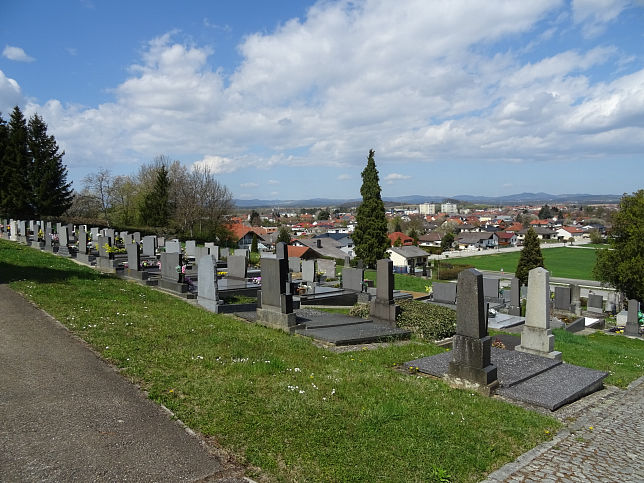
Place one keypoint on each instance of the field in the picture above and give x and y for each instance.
(563, 262)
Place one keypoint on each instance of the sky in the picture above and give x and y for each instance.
(284, 100)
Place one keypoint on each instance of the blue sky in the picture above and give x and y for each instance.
(283, 100)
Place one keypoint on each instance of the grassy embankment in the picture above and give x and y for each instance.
(282, 404)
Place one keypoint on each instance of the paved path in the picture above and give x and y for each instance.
(67, 415)
(604, 443)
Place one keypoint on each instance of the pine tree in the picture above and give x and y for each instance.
(414, 235)
(530, 258)
(52, 195)
(18, 167)
(253, 246)
(156, 205)
(370, 235)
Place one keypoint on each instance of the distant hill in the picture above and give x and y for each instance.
(531, 198)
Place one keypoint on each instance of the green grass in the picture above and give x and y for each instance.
(622, 357)
(403, 282)
(561, 262)
(280, 403)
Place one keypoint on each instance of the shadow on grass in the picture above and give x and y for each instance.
(13, 273)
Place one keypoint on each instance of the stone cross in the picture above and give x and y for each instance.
(632, 324)
(536, 337)
(471, 364)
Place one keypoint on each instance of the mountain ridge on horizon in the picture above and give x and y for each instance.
(525, 197)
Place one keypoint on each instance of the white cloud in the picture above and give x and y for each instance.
(10, 94)
(423, 83)
(250, 184)
(393, 177)
(17, 54)
(217, 164)
(595, 14)
(273, 181)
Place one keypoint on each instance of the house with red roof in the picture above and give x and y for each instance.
(398, 235)
(242, 234)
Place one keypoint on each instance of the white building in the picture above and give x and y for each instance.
(449, 208)
(427, 209)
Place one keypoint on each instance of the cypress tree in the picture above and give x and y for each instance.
(283, 235)
(18, 167)
(530, 258)
(370, 235)
(253, 246)
(52, 195)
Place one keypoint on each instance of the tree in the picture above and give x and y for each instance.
(623, 265)
(370, 235)
(156, 204)
(397, 226)
(530, 257)
(414, 235)
(255, 219)
(545, 212)
(283, 235)
(4, 139)
(447, 241)
(253, 246)
(18, 168)
(52, 194)
(595, 236)
(324, 215)
(99, 185)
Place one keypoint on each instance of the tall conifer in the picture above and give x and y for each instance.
(18, 167)
(531, 256)
(52, 195)
(370, 235)
(4, 139)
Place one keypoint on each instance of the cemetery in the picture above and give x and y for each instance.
(543, 371)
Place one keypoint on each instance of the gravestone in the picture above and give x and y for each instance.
(575, 299)
(242, 252)
(214, 249)
(173, 246)
(63, 241)
(383, 308)
(352, 279)
(22, 231)
(632, 326)
(327, 267)
(47, 232)
(82, 241)
(161, 242)
(149, 243)
(103, 243)
(536, 336)
(295, 264)
(201, 252)
(224, 252)
(595, 303)
(491, 288)
(109, 232)
(236, 267)
(515, 297)
(471, 365)
(563, 298)
(207, 296)
(190, 248)
(13, 227)
(275, 304)
(136, 237)
(445, 292)
(94, 231)
(133, 256)
(171, 276)
(308, 271)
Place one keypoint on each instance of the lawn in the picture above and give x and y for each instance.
(282, 404)
(403, 282)
(561, 262)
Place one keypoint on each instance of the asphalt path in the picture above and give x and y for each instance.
(66, 415)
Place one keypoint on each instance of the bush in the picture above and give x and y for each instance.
(450, 272)
(427, 321)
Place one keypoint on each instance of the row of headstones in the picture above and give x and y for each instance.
(568, 298)
(446, 292)
(310, 268)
